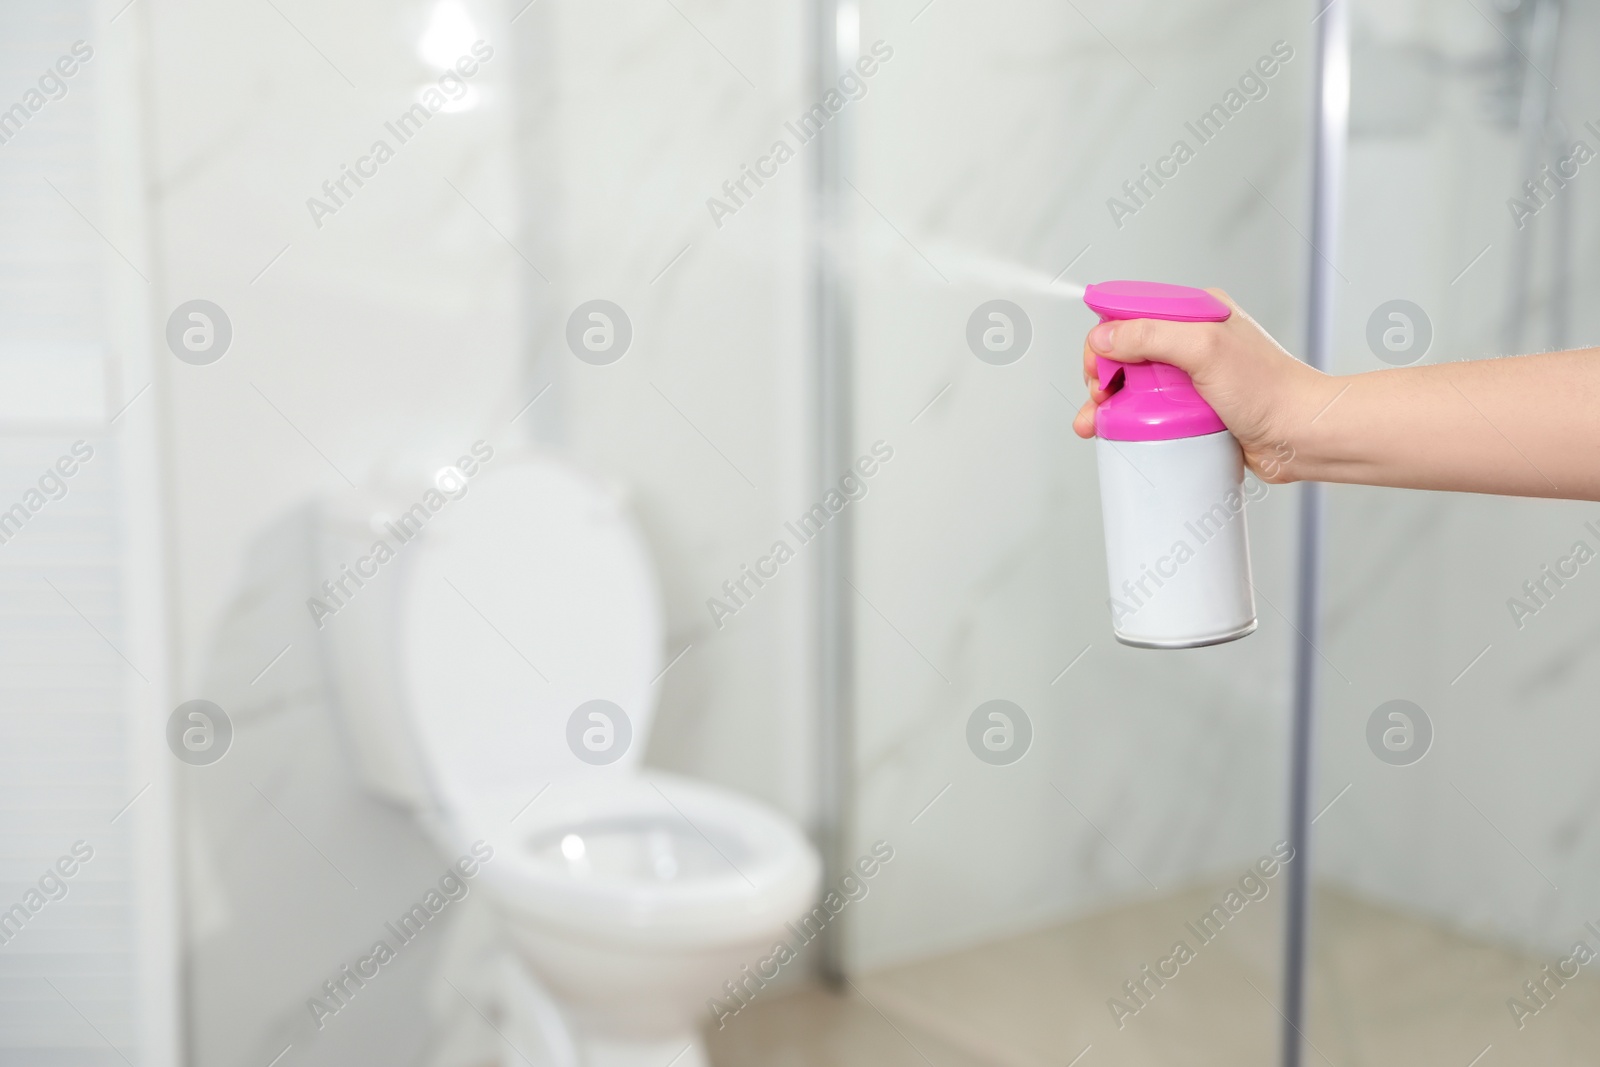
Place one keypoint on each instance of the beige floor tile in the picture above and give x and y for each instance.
(816, 1028)
(1387, 988)
(1393, 988)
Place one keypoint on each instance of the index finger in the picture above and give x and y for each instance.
(1186, 345)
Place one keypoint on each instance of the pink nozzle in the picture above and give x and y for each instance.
(1156, 401)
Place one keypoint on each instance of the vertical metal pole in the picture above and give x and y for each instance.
(1533, 123)
(1330, 119)
(1561, 273)
(835, 48)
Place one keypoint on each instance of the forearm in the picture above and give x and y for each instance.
(1523, 426)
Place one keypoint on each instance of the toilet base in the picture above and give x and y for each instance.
(534, 1030)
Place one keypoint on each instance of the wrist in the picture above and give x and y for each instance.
(1320, 443)
(1312, 446)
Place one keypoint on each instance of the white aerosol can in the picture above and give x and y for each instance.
(1171, 488)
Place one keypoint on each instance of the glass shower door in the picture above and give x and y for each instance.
(1077, 848)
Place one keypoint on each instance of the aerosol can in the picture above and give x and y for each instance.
(1171, 488)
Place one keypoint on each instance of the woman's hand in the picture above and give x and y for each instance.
(1265, 396)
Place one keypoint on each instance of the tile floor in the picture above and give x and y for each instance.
(1387, 988)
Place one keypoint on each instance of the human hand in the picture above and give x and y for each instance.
(1265, 396)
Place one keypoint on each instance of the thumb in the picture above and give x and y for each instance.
(1189, 346)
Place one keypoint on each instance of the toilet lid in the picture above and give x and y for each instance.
(527, 596)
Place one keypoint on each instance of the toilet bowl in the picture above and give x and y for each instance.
(633, 902)
(500, 682)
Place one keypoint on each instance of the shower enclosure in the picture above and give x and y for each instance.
(1078, 825)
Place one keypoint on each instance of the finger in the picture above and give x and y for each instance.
(1091, 375)
(1187, 345)
(1083, 422)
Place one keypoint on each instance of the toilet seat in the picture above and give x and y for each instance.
(651, 860)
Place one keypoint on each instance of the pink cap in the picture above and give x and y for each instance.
(1156, 401)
